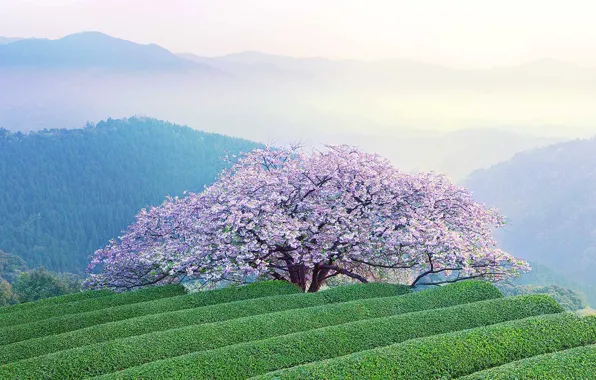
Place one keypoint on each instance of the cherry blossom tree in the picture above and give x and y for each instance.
(305, 217)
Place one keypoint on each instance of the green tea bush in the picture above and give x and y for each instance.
(244, 329)
(453, 355)
(262, 356)
(72, 297)
(575, 363)
(46, 311)
(258, 299)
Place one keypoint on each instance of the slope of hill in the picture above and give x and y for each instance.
(7, 40)
(549, 197)
(91, 50)
(65, 193)
(456, 154)
(263, 66)
(270, 330)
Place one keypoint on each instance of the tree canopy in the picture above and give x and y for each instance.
(41, 283)
(10, 266)
(305, 217)
(7, 294)
(568, 298)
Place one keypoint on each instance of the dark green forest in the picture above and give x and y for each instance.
(65, 193)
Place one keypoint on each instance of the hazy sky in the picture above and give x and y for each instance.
(463, 33)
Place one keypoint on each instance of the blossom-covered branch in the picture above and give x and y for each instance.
(306, 217)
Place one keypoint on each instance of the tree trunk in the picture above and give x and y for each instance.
(318, 279)
(315, 286)
(298, 276)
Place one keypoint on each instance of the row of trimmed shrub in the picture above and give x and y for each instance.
(66, 298)
(574, 363)
(198, 337)
(210, 297)
(258, 299)
(47, 311)
(456, 354)
(259, 357)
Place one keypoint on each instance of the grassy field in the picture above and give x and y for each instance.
(270, 330)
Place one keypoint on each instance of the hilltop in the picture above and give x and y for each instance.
(7, 40)
(91, 50)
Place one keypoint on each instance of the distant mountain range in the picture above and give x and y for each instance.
(6, 40)
(92, 50)
(383, 73)
(95, 49)
(91, 76)
(549, 196)
(456, 154)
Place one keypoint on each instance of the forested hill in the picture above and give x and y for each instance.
(65, 193)
(549, 196)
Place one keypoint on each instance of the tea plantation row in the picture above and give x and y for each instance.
(271, 330)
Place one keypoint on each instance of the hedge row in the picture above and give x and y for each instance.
(210, 297)
(208, 336)
(456, 354)
(575, 363)
(259, 357)
(255, 302)
(46, 311)
(73, 297)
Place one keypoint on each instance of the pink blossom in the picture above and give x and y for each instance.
(306, 217)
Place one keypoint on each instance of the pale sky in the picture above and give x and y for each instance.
(457, 33)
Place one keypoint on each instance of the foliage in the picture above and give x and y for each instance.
(47, 311)
(41, 283)
(64, 193)
(10, 266)
(7, 295)
(456, 354)
(544, 276)
(32, 285)
(304, 218)
(259, 305)
(260, 326)
(575, 363)
(567, 298)
(261, 356)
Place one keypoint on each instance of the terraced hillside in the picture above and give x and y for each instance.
(270, 330)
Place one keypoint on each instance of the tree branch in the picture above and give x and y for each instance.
(461, 278)
(344, 272)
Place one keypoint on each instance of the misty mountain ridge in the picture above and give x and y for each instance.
(549, 197)
(92, 50)
(87, 48)
(456, 154)
(269, 98)
(545, 68)
(258, 57)
(7, 40)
